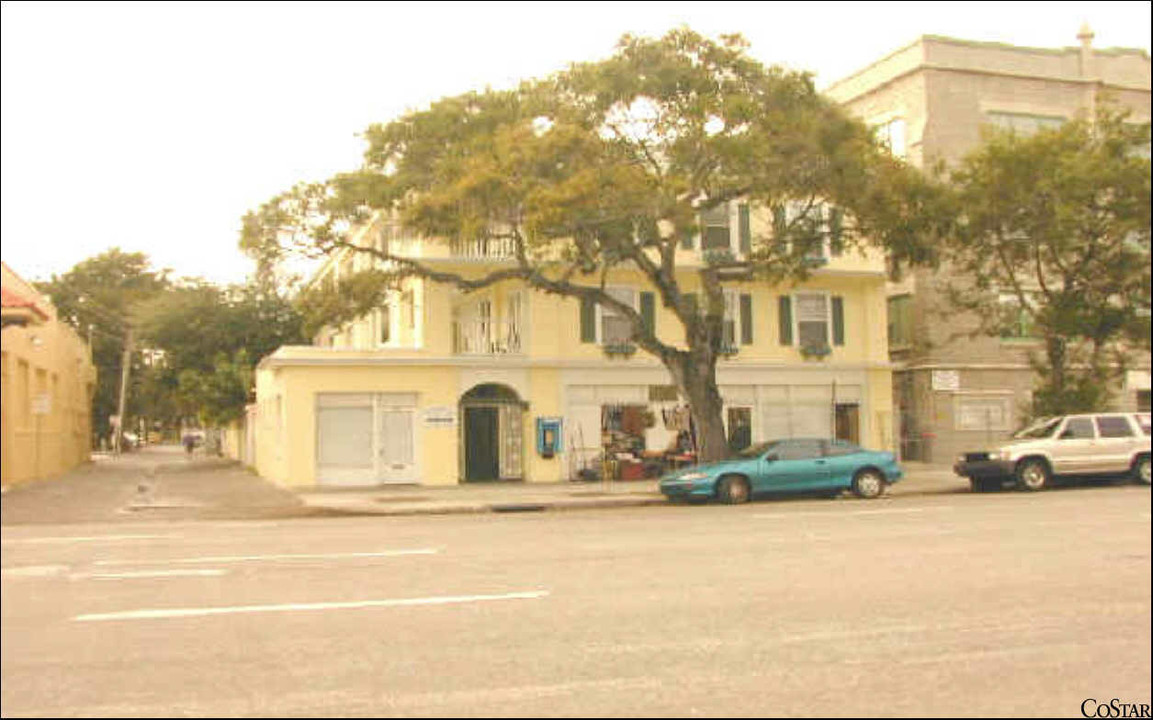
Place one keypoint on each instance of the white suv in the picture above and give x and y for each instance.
(1070, 445)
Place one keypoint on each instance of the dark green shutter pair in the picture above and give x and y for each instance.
(785, 319)
(588, 320)
(838, 320)
(746, 319)
(649, 311)
(836, 232)
(746, 232)
(589, 316)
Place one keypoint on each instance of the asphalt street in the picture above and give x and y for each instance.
(937, 605)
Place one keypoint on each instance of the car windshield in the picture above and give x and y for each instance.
(1041, 429)
(758, 449)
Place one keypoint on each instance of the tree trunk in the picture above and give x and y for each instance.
(696, 377)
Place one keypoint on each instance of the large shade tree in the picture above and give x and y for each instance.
(610, 165)
(1054, 243)
(101, 298)
(211, 337)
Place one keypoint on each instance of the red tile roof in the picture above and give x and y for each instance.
(13, 300)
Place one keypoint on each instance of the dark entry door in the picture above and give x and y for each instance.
(849, 423)
(481, 444)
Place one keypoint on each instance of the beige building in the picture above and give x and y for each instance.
(440, 387)
(930, 101)
(48, 380)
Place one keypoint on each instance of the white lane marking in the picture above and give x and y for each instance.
(153, 614)
(257, 558)
(836, 514)
(34, 571)
(89, 538)
(148, 574)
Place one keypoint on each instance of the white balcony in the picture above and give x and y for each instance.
(483, 249)
(485, 337)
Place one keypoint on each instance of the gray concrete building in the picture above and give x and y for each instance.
(930, 100)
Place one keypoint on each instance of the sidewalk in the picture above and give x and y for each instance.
(163, 483)
(399, 500)
(155, 483)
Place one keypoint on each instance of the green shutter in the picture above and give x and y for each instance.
(837, 231)
(780, 221)
(588, 320)
(746, 319)
(785, 319)
(649, 311)
(694, 307)
(745, 229)
(838, 321)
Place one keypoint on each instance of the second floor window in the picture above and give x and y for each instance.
(819, 221)
(615, 327)
(891, 134)
(715, 234)
(812, 319)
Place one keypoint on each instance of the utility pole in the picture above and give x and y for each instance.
(125, 366)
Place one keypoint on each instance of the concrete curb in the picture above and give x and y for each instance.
(537, 505)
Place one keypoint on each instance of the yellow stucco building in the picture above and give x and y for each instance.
(48, 380)
(439, 387)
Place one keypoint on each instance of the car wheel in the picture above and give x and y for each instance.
(868, 484)
(1032, 475)
(1141, 470)
(733, 490)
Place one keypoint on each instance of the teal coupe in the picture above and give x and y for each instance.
(794, 465)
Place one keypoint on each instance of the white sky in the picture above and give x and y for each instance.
(154, 127)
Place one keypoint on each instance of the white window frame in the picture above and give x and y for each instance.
(732, 212)
(796, 310)
(601, 309)
(734, 240)
(883, 129)
(733, 313)
(793, 210)
(391, 307)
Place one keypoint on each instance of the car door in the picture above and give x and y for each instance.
(1115, 443)
(1075, 449)
(843, 458)
(796, 464)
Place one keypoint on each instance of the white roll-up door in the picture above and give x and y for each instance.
(344, 451)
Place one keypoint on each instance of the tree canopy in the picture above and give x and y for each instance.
(195, 343)
(1053, 242)
(610, 165)
(100, 297)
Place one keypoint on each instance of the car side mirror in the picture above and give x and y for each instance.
(1067, 435)
(772, 457)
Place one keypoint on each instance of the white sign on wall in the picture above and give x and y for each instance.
(438, 416)
(947, 380)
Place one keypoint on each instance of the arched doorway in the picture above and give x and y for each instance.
(492, 434)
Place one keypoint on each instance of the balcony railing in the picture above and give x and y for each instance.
(479, 337)
(483, 249)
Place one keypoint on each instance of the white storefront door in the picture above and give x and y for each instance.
(396, 461)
